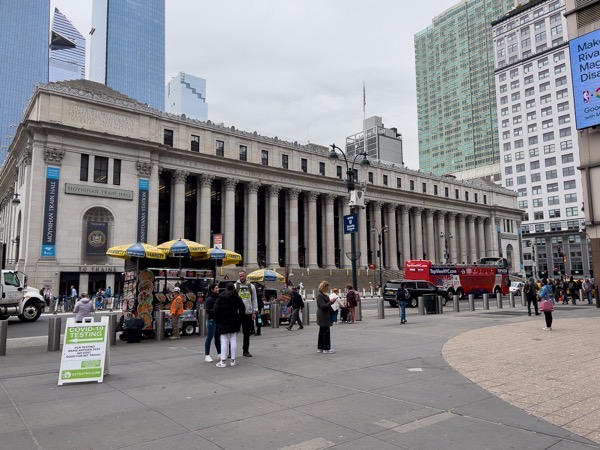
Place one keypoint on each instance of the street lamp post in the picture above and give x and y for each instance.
(446, 236)
(350, 185)
(384, 229)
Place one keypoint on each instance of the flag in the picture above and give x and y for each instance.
(364, 99)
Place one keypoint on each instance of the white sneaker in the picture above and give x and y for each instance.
(319, 350)
(329, 351)
(232, 362)
(207, 358)
(547, 329)
(221, 364)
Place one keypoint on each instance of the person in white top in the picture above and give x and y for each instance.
(337, 305)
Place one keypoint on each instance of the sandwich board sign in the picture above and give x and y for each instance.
(85, 353)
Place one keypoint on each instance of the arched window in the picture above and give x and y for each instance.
(98, 230)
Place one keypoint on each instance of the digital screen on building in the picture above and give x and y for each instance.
(585, 71)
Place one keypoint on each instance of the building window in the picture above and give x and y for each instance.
(535, 177)
(117, 172)
(522, 192)
(571, 211)
(338, 172)
(168, 137)
(509, 182)
(484, 199)
(264, 157)
(538, 215)
(522, 179)
(322, 168)
(285, 161)
(564, 132)
(534, 165)
(243, 153)
(508, 170)
(399, 183)
(220, 148)
(568, 171)
(522, 204)
(370, 177)
(570, 198)
(385, 180)
(424, 187)
(456, 194)
(568, 158)
(304, 165)
(570, 184)
(533, 152)
(551, 174)
(550, 162)
(520, 167)
(552, 187)
(446, 192)
(566, 145)
(84, 167)
(466, 196)
(476, 197)
(100, 169)
(412, 185)
(435, 189)
(538, 202)
(195, 143)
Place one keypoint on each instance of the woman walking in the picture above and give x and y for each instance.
(324, 313)
(228, 312)
(546, 303)
(211, 325)
(352, 299)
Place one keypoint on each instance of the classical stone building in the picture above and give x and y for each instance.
(93, 168)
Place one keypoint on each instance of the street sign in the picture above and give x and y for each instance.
(350, 224)
(217, 240)
(85, 353)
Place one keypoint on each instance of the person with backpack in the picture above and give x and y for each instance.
(402, 297)
(587, 288)
(352, 299)
(296, 304)
(530, 292)
(572, 289)
(546, 303)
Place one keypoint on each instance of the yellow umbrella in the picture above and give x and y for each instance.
(227, 256)
(137, 250)
(265, 275)
(183, 247)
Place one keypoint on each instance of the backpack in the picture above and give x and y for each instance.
(571, 286)
(527, 289)
(402, 295)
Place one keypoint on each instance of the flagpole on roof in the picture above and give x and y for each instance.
(364, 119)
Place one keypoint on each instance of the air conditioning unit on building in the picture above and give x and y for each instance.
(357, 198)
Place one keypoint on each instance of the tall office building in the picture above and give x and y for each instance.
(538, 139)
(127, 48)
(186, 94)
(67, 50)
(455, 89)
(24, 30)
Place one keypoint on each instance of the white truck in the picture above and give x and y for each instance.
(16, 299)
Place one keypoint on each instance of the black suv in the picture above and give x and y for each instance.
(416, 288)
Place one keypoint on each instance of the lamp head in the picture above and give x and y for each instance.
(16, 200)
(365, 161)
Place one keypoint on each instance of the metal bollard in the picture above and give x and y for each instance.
(159, 325)
(275, 314)
(455, 303)
(421, 305)
(358, 311)
(511, 299)
(440, 304)
(112, 328)
(486, 301)
(380, 309)
(306, 314)
(581, 295)
(471, 302)
(499, 300)
(523, 299)
(54, 326)
(202, 331)
(3, 336)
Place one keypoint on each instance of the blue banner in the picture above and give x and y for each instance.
(50, 212)
(142, 229)
(585, 73)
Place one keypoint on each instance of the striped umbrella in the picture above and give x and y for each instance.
(265, 275)
(137, 250)
(183, 247)
(227, 257)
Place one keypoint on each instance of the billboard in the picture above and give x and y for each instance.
(585, 72)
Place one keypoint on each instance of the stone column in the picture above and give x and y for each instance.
(441, 237)
(273, 259)
(462, 230)
(392, 241)
(229, 237)
(472, 239)
(376, 223)
(329, 232)
(252, 225)
(204, 209)
(362, 236)
(418, 232)
(405, 233)
(494, 225)
(347, 246)
(180, 176)
(452, 237)
(312, 230)
(481, 236)
(430, 235)
(292, 244)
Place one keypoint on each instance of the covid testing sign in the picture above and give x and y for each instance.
(585, 71)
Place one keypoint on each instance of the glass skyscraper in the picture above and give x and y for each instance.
(67, 50)
(456, 99)
(186, 94)
(24, 31)
(128, 48)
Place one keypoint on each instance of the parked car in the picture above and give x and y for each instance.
(416, 288)
(516, 287)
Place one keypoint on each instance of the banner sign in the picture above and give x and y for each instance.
(50, 212)
(85, 353)
(142, 232)
(97, 233)
(584, 52)
(498, 231)
(350, 224)
(217, 240)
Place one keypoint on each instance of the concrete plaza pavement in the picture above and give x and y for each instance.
(439, 382)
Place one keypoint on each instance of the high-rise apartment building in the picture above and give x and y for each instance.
(67, 50)
(186, 94)
(456, 102)
(383, 144)
(127, 48)
(538, 139)
(24, 31)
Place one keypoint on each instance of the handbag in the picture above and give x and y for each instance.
(546, 306)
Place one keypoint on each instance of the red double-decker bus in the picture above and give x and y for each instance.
(487, 276)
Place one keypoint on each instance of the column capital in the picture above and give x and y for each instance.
(429, 213)
(377, 204)
(253, 187)
(404, 209)
(26, 158)
(274, 190)
(206, 180)
(391, 207)
(440, 214)
(53, 155)
(230, 184)
(417, 209)
(461, 217)
(294, 193)
(452, 215)
(144, 168)
(180, 176)
(312, 196)
(470, 219)
(330, 198)
(497, 220)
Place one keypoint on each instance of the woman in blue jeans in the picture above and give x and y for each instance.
(211, 325)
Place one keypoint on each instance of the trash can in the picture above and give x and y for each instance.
(133, 330)
(430, 301)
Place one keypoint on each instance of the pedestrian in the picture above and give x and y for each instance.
(402, 297)
(211, 324)
(229, 313)
(371, 288)
(247, 293)
(530, 292)
(48, 297)
(352, 299)
(83, 308)
(572, 287)
(297, 305)
(336, 306)
(546, 304)
(587, 288)
(176, 311)
(324, 313)
(301, 288)
(70, 301)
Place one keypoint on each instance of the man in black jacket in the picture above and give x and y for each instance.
(297, 304)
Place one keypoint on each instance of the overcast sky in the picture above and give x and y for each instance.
(296, 68)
